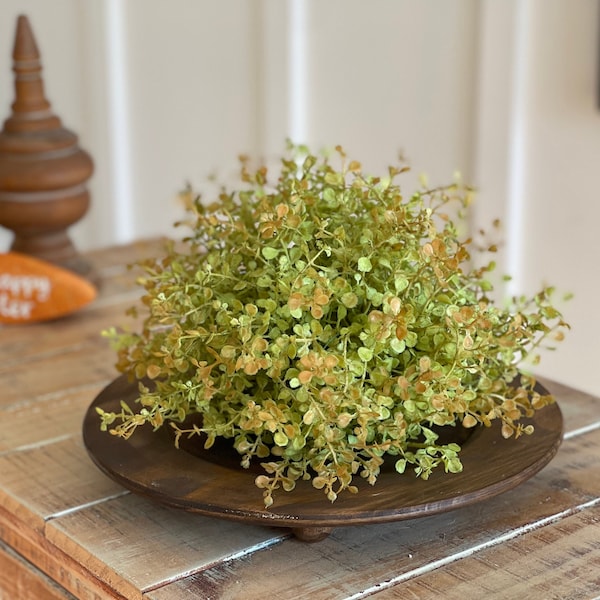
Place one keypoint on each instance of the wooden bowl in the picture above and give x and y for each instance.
(212, 483)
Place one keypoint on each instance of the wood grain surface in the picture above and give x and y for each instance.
(20, 580)
(358, 560)
(570, 570)
(66, 530)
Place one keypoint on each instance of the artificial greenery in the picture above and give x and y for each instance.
(326, 323)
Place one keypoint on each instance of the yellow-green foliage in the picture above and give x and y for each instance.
(325, 321)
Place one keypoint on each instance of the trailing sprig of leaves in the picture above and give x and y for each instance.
(326, 323)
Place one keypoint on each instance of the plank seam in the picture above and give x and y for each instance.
(9, 364)
(68, 391)
(74, 509)
(109, 301)
(505, 537)
(582, 431)
(229, 558)
(39, 444)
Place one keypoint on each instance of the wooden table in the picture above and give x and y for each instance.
(68, 531)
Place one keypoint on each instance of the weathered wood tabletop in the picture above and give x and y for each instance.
(66, 530)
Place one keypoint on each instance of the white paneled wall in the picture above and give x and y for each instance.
(167, 92)
(537, 161)
(562, 180)
(395, 77)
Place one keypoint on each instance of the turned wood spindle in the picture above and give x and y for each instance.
(43, 171)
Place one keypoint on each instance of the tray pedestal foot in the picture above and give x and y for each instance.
(311, 534)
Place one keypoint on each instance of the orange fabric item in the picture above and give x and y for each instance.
(33, 290)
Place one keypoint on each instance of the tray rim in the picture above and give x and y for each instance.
(290, 514)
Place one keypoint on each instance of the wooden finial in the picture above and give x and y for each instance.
(29, 87)
(43, 170)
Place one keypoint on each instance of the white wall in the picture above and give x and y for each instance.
(396, 76)
(537, 161)
(502, 90)
(161, 93)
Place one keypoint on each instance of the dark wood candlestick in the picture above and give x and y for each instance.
(43, 170)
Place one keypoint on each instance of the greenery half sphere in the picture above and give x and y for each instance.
(326, 322)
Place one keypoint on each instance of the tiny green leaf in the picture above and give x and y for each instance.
(365, 354)
(364, 264)
(269, 253)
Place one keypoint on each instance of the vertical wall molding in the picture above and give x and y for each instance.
(118, 117)
(501, 135)
(285, 75)
(298, 76)
(100, 48)
(518, 145)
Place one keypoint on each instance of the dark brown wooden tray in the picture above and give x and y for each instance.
(149, 464)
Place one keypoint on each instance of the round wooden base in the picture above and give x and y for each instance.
(215, 485)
